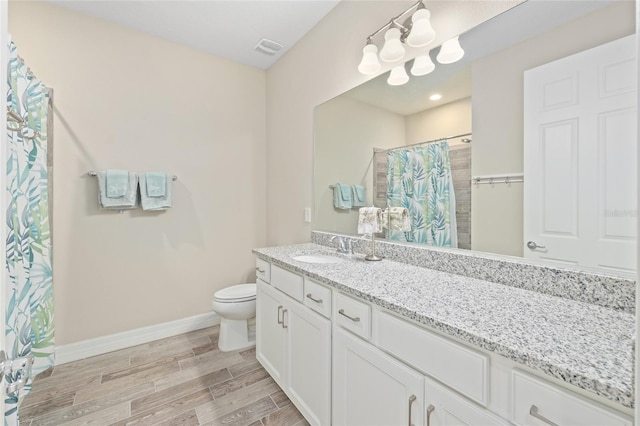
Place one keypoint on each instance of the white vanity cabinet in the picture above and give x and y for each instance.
(372, 388)
(294, 346)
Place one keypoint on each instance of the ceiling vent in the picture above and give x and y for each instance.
(268, 47)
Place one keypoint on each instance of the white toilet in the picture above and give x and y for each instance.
(235, 305)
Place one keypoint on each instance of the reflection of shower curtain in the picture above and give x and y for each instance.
(29, 312)
(419, 179)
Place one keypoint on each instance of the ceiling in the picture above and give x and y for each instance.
(226, 28)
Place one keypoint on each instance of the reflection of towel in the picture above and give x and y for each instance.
(370, 220)
(359, 196)
(396, 219)
(156, 203)
(117, 183)
(128, 201)
(342, 196)
(156, 184)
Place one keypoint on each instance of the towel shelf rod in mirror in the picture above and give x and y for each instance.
(92, 173)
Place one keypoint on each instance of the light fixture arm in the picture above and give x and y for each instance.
(394, 21)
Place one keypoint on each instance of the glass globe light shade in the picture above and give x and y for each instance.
(422, 32)
(369, 63)
(450, 52)
(422, 65)
(393, 50)
(398, 76)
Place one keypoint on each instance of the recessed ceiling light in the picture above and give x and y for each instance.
(435, 97)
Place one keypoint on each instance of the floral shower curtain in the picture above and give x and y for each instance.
(29, 312)
(419, 179)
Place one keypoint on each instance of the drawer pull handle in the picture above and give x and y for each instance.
(310, 296)
(534, 412)
(280, 321)
(354, 319)
(430, 410)
(412, 399)
(284, 311)
(260, 270)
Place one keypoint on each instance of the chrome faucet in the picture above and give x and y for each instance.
(344, 244)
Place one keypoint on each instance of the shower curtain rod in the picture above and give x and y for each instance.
(425, 143)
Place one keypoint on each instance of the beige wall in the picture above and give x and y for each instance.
(319, 67)
(449, 119)
(132, 101)
(498, 119)
(346, 133)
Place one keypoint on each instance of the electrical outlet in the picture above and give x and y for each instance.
(307, 214)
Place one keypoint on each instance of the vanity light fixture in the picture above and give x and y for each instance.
(416, 32)
(450, 51)
(422, 65)
(369, 63)
(398, 76)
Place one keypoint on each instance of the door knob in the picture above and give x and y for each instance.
(532, 245)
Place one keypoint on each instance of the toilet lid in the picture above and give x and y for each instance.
(238, 293)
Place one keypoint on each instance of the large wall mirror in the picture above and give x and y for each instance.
(486, 112)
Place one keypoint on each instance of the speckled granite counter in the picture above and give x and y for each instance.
(583, 344)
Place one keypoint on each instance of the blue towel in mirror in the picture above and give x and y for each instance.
(342, 196)
(359, 196)
(128, 201)
(156, 202)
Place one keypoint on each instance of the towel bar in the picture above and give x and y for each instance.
(92, 173)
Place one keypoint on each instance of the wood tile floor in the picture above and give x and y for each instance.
(182, 380)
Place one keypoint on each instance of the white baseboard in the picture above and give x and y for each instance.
(114, 342)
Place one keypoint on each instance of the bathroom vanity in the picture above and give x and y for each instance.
(390, 343)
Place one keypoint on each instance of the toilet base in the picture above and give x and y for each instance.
(235, 335)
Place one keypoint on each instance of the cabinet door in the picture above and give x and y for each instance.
(270, 335)
(445, 407)
(372, 388)
(309, 363)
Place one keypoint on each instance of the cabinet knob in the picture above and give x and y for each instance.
(280, 321)
(430, 410)
(260, 270)
(354, 319)
(310, 296)
(412, 399)
(534, 412)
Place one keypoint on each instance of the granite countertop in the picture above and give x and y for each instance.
(586, 345)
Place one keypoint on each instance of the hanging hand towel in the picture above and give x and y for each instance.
(370, 220)
(358, 196)
(396, 219)
(342, 196)
(128, 201)
(153, 202)
(156, 184)
(117, 183)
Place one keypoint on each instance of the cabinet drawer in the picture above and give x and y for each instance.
(457, 366)
(263, 270)
(287, 282)
(353, 315)
(317, 297)
(557, 405)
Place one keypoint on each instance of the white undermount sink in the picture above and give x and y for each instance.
(317, 258)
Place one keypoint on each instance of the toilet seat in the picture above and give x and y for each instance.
(235, 294)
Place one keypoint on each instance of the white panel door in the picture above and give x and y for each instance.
(370, 388)
(309, 363)
(580, 150)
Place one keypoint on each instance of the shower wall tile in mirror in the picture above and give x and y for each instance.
(483, 96)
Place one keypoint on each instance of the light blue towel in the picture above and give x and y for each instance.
(128, 201)
(359, 193)
(150, 203)
(342, 196)
(156, 184)
(117, 182)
